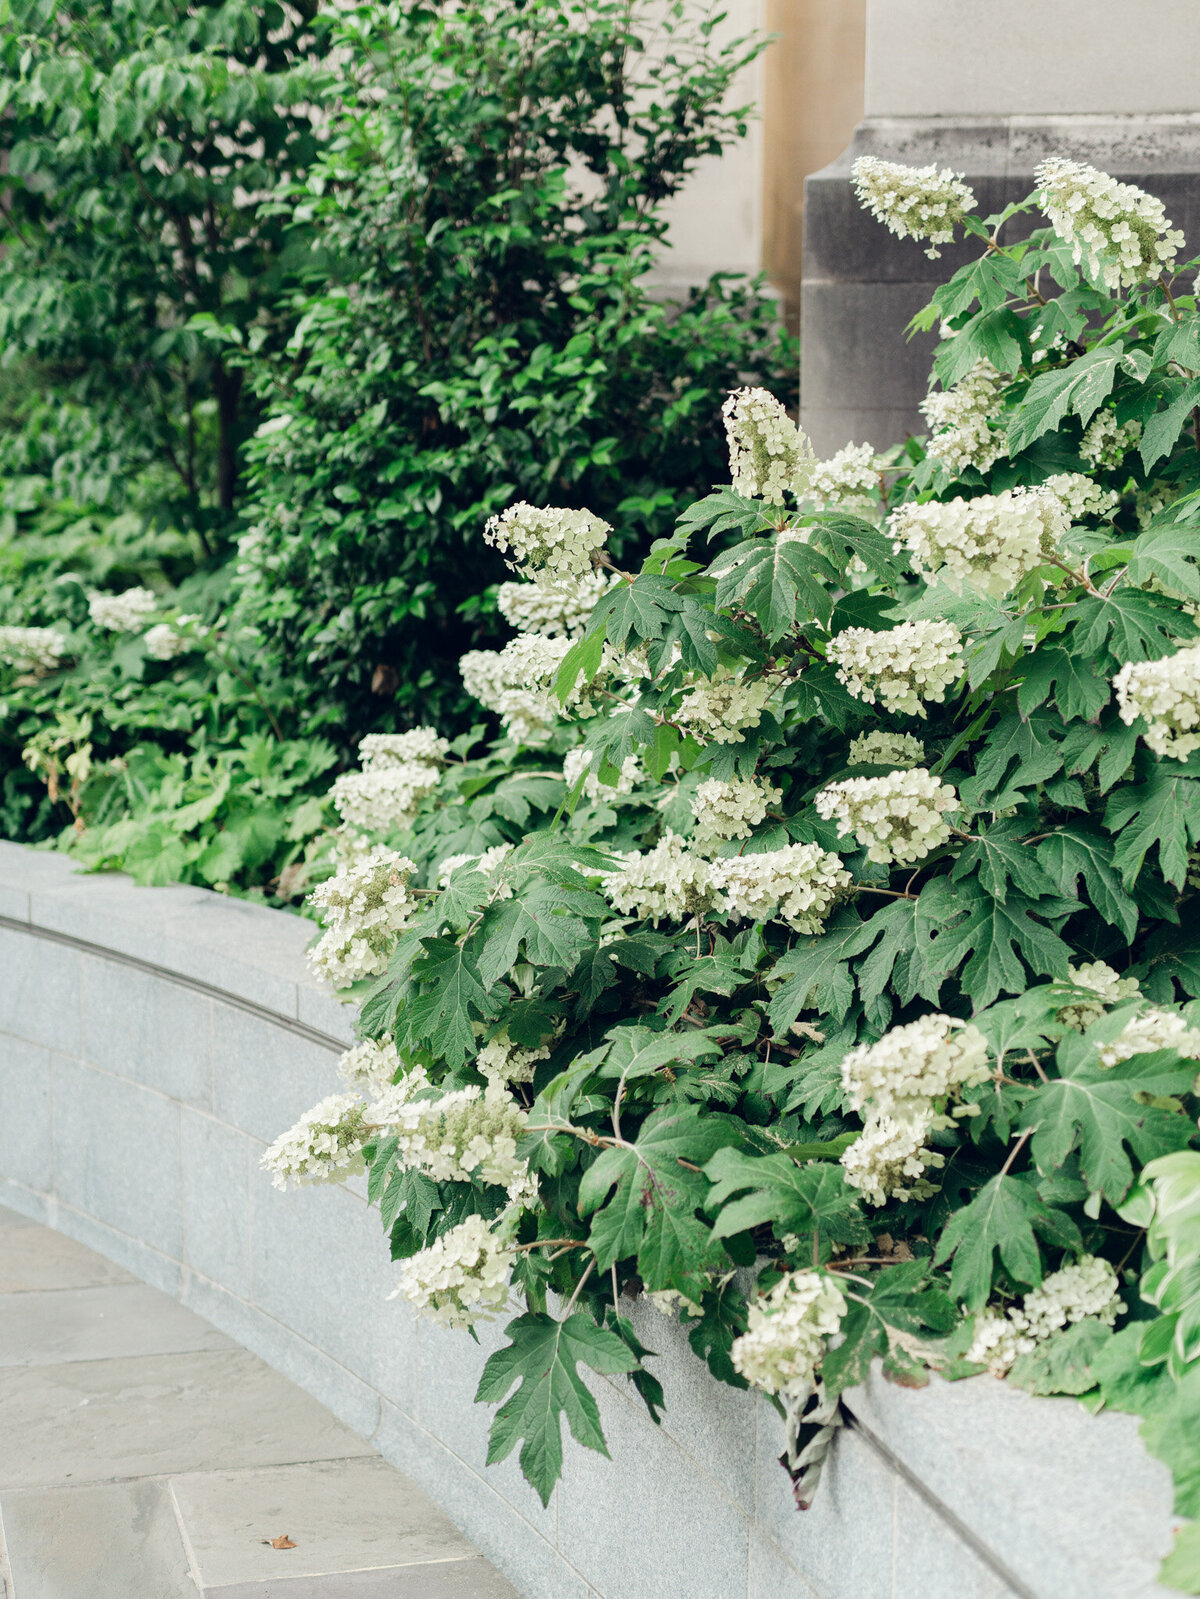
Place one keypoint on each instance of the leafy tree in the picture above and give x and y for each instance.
(143, 139)
(488, 201)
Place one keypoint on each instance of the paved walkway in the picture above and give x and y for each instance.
(144, 1455)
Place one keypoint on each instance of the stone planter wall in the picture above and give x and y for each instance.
(153, 1040)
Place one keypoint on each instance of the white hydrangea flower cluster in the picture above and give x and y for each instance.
(1119, 232)
(122, 613)
(370, 1066)
(362, 908)
(502, 1061)
(577, 761)
(554, 606)
(528, 715)
(1085, 1291)
(988, 543)
(903, 1083)
(164, 643)
(899, 817)
(463, 1277)
(933, 1058)
(1079, 496)
(399, 770)
(889, 1158)
(423, 745)
(533, 661)
(730, 809)
(798, 884)
(1152, 1030)
(719, 709)
(787, 1332)
(489, 863)
(913, 202)
(768, 454)
(383, 798)
(325, 1145)
(1167, 694)
(32, 649)
(671, 1303)
(850, 479)
(959, 420)
(668, 882)
(561, 541)
(1106, 442)
(1109, 987)
(885, 749)
(901, 666)
(469, 1133)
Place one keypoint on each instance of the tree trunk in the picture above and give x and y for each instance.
(228, 388)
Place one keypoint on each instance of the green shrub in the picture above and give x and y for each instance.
(142, 139)
(863, 952)
(492, 194)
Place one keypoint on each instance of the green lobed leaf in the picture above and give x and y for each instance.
(543, 1358)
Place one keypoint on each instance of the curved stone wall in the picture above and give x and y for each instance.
(153, 1040)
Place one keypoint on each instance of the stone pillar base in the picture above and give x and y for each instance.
(860, 379)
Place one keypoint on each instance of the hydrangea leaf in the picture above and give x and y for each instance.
(1079, 386)
(997, 856)
(1130, 625)
(642, 608)
(724, 511)
(1019, 754)
(659, 1188)
(896, 1301)
(1163, 813)
(543, 1358)
(997, 940)
(1103, 1109)
(1077, 852)
(808, 1199)
(1167, 554)
(1079, 690)
(1004, 1217)
(780, 581)
(442, 1016)
(816, 971)
(545, 920)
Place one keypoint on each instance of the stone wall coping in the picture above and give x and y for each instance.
(228, 946)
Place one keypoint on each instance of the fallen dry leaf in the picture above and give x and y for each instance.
(282, 1542)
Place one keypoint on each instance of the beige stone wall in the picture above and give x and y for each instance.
(813, 99)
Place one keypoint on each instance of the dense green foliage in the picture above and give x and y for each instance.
(491, 195)
(143, 140)
(690, 1112)
(178, 211)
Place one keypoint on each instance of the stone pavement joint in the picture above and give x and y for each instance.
(146, 1456)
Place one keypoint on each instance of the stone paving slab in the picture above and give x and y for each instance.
(341, 1514)
(50, 1327)
(35, 1260)
(103, 1541)
(93, 1420)
(452, 1579)
(144, 1455)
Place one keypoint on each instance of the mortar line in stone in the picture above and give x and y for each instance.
(196, 984)
(964, 1533)
(8, 1587)
(189, 1552)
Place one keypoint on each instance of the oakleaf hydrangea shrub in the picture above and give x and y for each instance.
(838, 903)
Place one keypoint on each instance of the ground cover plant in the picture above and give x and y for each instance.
(815, 949)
